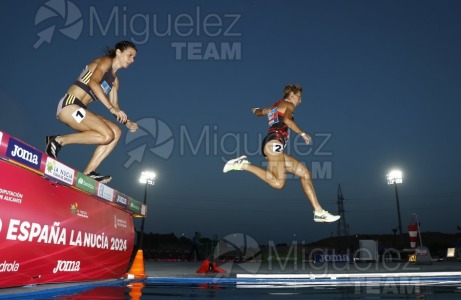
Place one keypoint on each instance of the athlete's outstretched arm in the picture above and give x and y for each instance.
(260, 112)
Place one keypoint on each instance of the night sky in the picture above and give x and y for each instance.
(381, 91)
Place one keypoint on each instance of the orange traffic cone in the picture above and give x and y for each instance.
(135, 290)
(209, 267)
(204, 267)
(137, 268)
(217, 269)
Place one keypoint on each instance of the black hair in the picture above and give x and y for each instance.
(122, 45)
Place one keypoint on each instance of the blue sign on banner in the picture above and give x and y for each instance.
(24, 154)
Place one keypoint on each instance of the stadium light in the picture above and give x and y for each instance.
(147, 178)
(395, 177)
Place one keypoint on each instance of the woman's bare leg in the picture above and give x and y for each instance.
(274, 175)
(102, 151)
(93, 129)
(297, 168)
(278, 164)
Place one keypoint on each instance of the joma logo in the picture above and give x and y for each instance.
(24, 154)
(67, 266)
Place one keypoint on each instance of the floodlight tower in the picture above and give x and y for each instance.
(395, 177)
(342, 225)
(147, 178)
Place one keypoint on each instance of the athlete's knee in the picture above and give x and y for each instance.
(306, 174)
(106, 136)
(111, 134)
(278, 184)
(117, 132)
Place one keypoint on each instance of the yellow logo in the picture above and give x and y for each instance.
(73, 208)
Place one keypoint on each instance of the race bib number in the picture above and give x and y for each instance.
(79, 115)
(277, 147)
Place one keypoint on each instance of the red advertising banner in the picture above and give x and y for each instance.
(20, 153)
(55, 233)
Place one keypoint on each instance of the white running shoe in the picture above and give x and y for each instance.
(236, 164)
(325, 217)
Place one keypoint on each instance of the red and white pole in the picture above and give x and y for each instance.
(413, 233)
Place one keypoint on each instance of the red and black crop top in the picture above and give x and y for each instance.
(276, 123)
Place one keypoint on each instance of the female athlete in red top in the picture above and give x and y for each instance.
(281, 119)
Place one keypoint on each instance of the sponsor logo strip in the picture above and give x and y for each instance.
(144, 210)
(134, 206)
(85, 183)
(55, 169)
(23, 154)
(121, 199)
(105, 192)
